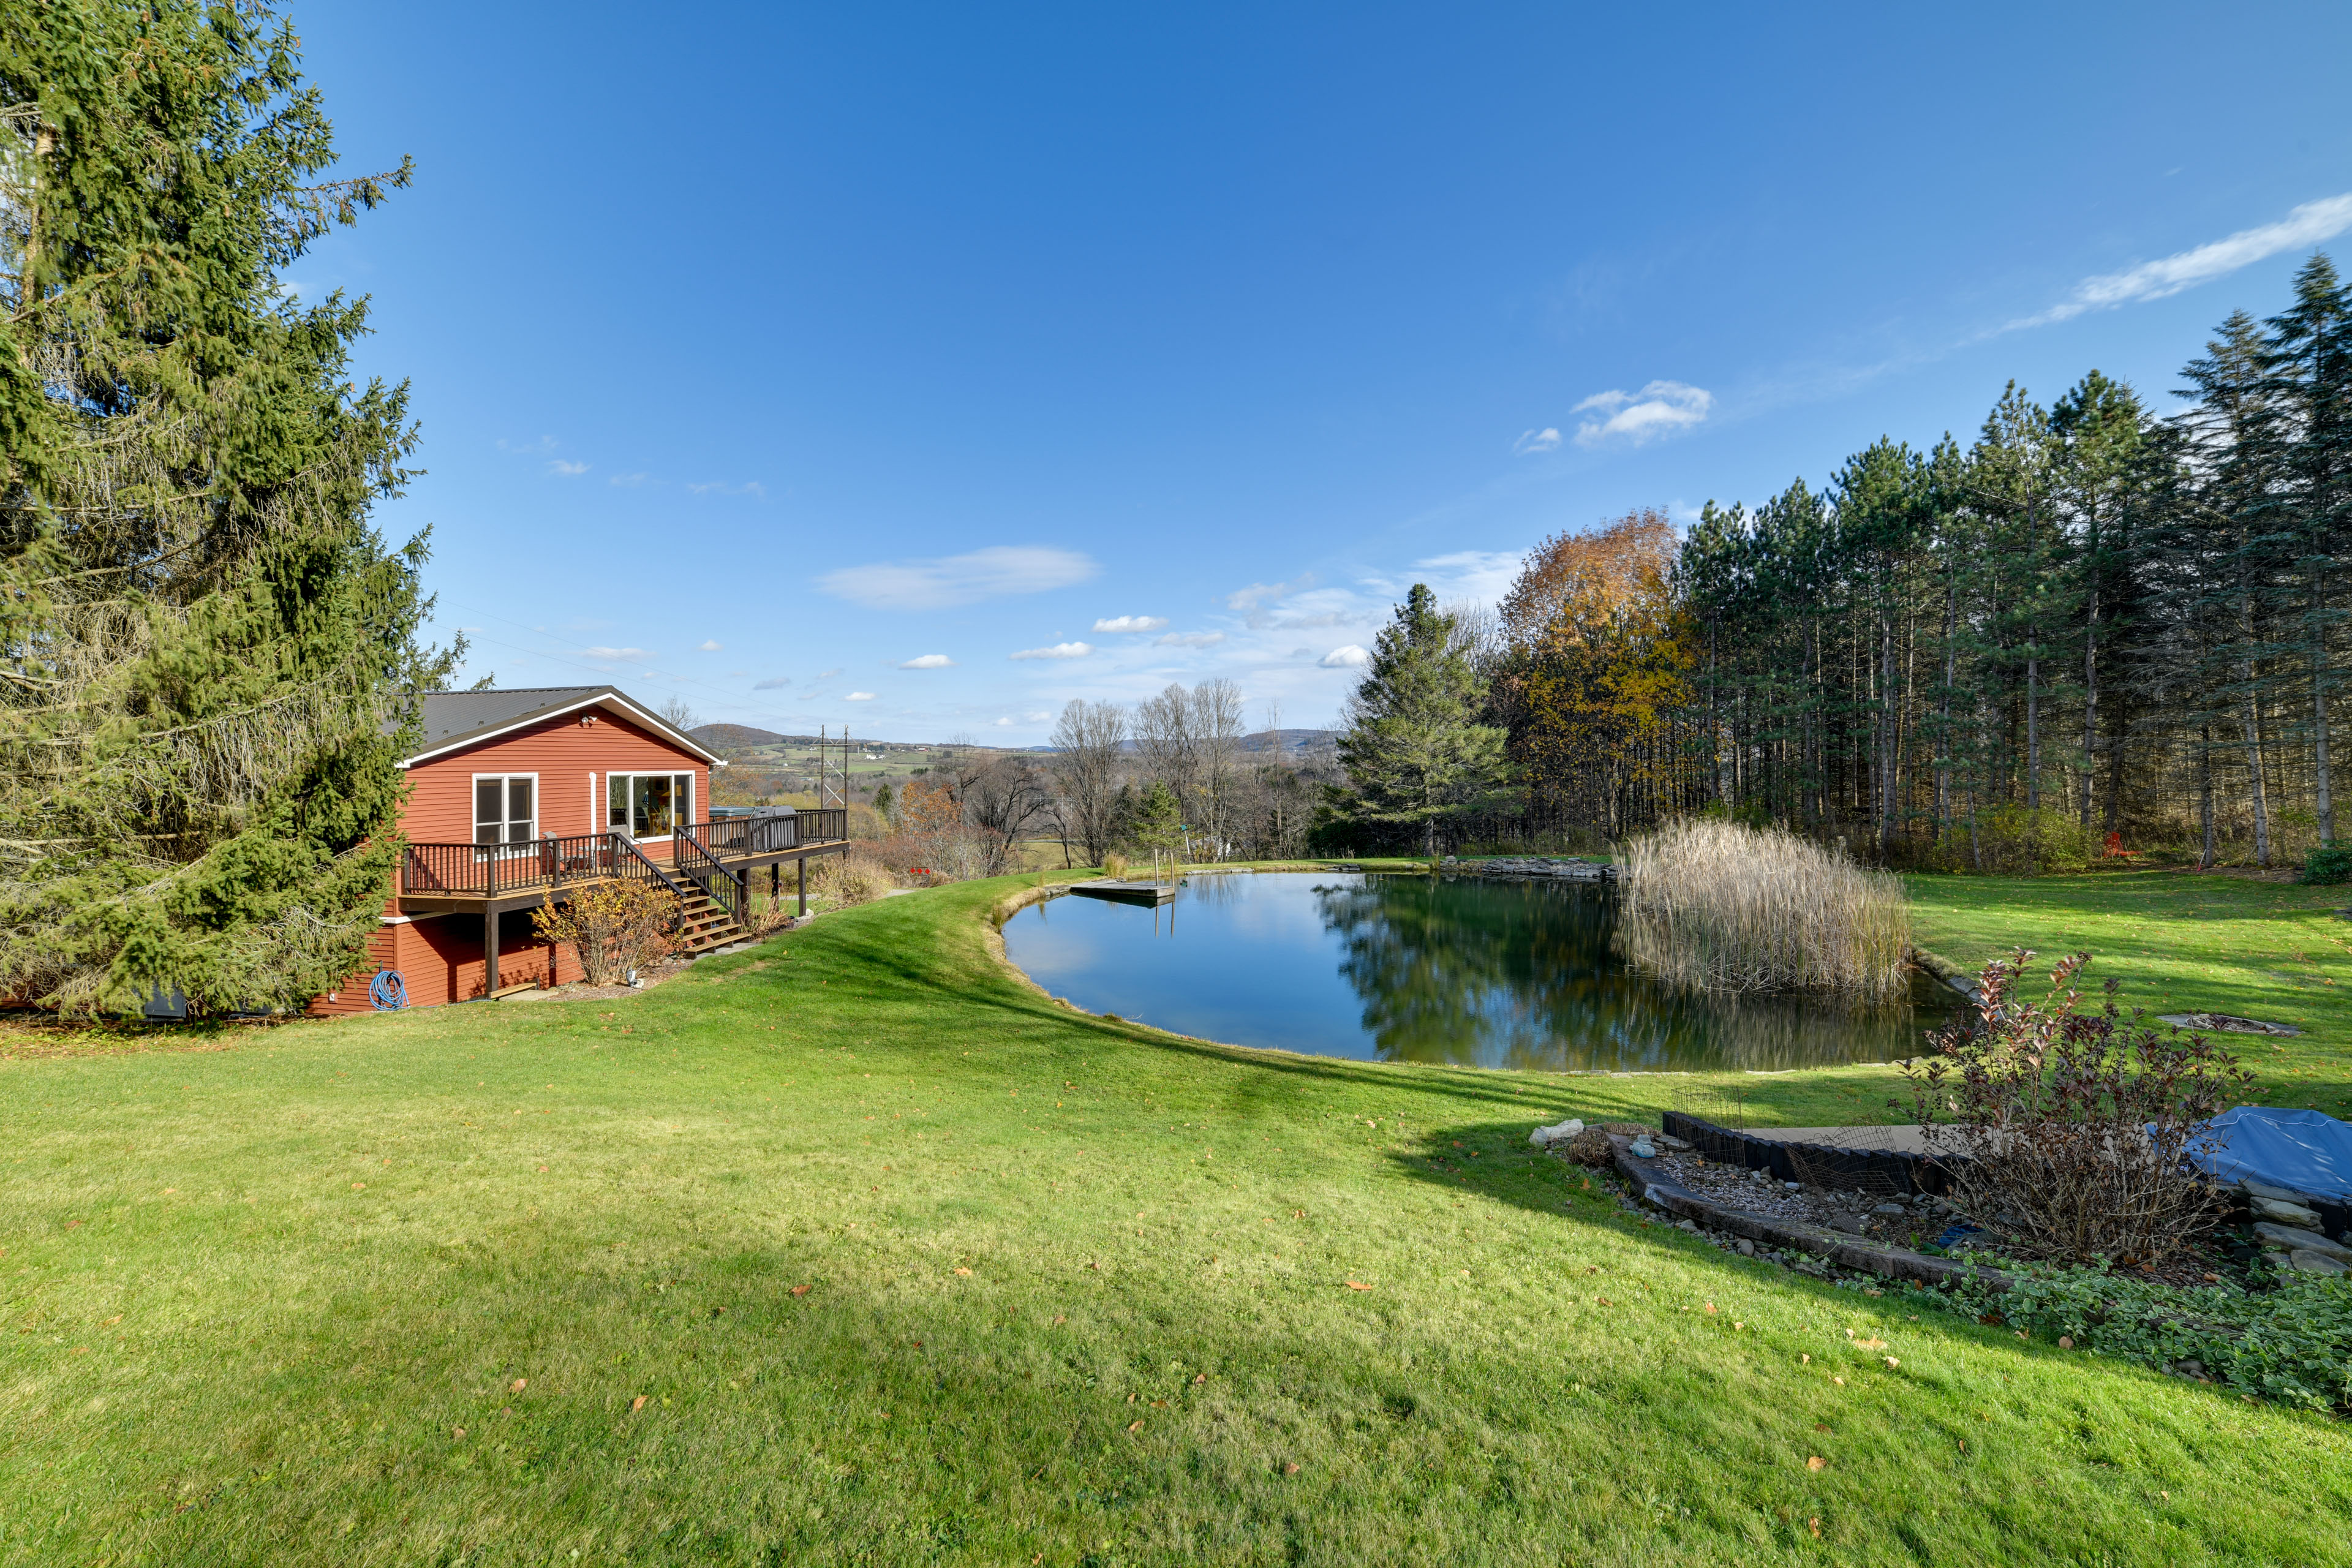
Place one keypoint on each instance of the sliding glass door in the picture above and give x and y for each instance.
(649, 806)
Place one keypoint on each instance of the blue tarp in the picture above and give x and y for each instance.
(2305, 1150)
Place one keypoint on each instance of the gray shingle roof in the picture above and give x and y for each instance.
(452, 717)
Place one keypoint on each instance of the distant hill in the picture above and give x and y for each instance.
(721, 737)
(1292, 740)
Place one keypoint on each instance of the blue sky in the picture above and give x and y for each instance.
(922, 368)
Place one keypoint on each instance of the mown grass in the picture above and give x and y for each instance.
(256, 1291)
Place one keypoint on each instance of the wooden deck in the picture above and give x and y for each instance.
(1146, 893)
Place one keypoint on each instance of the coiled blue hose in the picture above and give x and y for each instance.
(388, 991)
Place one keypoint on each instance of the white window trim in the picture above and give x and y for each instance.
(693, 787)
(473, 804)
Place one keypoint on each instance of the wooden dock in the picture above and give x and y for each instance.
(1149, 894)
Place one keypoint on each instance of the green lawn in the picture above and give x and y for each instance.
(2179, 942)
(908, 1263)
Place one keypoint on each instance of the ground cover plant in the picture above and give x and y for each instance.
(854, 1247)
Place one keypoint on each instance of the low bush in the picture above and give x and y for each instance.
(2293, 1344)
(614, 926)
(2327, 866)
(1711, 904)
(856, 877)
(1114, 865)
(2012, 841)
(2073, 1128)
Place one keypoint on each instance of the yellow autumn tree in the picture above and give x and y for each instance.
(1595, 679)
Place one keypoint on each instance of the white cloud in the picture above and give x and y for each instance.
(774, 683)
(1130, 623)
(1258, 594)
(827, 674)
(1348, 656)
(709, 645)
(629, 480)
(1542, 440)
(2306, 224)
(859, 697)
(721, 488)
(928, 661)
(1658, 409)
(1004, 723)
(1189, 640)
(631, 654)
(959, 579)
(1482, 575)
(1036, 718)
(539, 448)
(567, 470)
(1059, 650)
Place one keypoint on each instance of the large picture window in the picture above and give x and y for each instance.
(649, 806)
(505, 808)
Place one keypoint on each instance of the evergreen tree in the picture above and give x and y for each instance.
(1414, 749)
(204, 648)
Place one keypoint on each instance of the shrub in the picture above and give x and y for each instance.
(614, 926)
(856, 877)
(2326, 867)
(1714, 905)
(1115, 864)
(2074, 1129)
(2293, 1344)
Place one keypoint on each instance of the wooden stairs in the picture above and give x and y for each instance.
(703, 924)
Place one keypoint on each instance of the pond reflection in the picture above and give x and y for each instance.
(1450, 970)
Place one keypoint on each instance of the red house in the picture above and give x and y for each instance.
(515, 798)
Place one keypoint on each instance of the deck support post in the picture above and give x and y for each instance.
(490, 948)
(803, 884)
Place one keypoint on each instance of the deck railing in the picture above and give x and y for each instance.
(708, 872)
(701, 851)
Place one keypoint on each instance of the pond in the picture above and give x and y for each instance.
(1459, 971)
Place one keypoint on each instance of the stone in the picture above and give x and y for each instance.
(2287, 1238)
(2255, 1189)
(1794, 1186)
(1545, 1137)
(1642, 1150)
(1746, 1248)
(1891, 1208)
(2285, 1212)
(1852, 1224)
(1668, 1141)
(2305, 1262)
(1687, 1224)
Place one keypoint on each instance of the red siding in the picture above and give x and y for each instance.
(571, 760)
(440, 957)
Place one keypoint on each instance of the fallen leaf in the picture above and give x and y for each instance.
(1814, 1525)
(1199, 1378)
(1059, 1322)
(802, 1290)
(1839, 1380)
(1737, 1326)
(460, 1431)
(1873, 1344)
(1136, 1425)
(111, 1321)
(963, 1271)
(1353, 1286)
(636, 1405)
(1806, 1359)
(1817, 1463)
(1291, 1468)
(1891, 1363)
(517, 1386)
(359, 1186)
(1710, 1309)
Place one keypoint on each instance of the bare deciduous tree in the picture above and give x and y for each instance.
(1007, 797)
(1088, 741)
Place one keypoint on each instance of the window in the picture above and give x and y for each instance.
(505, 808)
(649, 806)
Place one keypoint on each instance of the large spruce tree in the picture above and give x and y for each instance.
(1415, 750)
(206, 650)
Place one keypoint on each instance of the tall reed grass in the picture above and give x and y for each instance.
(1712, 905)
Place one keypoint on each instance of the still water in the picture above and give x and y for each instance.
(1422, 969)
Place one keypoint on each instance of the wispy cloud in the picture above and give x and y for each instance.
(1130, 623)
(569, 471)
(709, 645)
(927, 661)
(626, 481)
(2306, 224)
(630, 654)
(1189, 640)
(1059, 650)
(1659, 409)
(1482, 575)
(859, 697)
(1542, 440)
(1347, 656)
(1036, 718)
(827, 674)
(539, 448)
(1005, 722)
(937, 584)
(774, 683)
(721, 488)
(1258, 594)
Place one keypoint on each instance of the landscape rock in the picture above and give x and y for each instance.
(1643, 1149)
(2285, 1212)
(1852, 1224)
(1746, 1248)
(1890, 1209)
(1545, 1137)
(2288, 1239)
(2305, 1262)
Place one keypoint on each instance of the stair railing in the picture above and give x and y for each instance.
(726, 889)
